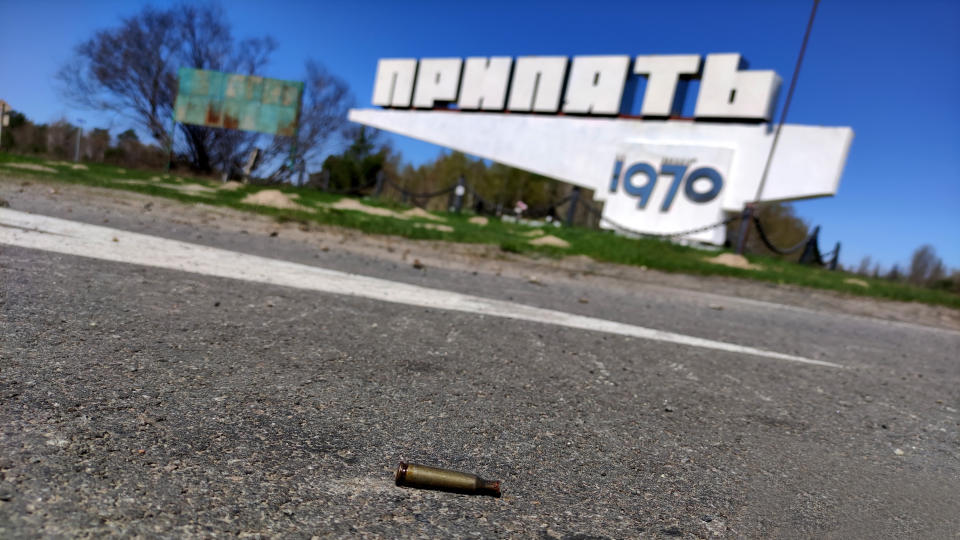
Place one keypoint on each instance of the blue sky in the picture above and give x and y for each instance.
(890, 70)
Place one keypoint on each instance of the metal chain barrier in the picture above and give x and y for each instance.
(350, 190)
(616, 225)
(533, 211)
(324, 186)
(485, 203)
(545, 209)
(779, 251)
(811, 254)
(810, 246)
(413, 195)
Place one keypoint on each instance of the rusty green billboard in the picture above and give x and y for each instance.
(233, 101)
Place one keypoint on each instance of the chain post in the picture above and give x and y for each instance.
(378, 190)
(3, 118)
(835, 260)
(810, 251)
(744, 231)
(572, 210)
(458, 193)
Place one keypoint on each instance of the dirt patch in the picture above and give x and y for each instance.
(857, 282)
(274, 198)
(550, 240)
(535, 232)
(193, 188)
(135, 181)
(30, 167)
(421, 213)
(478, 220)
(232, 185)
(734, 261)
(434, 227)
(356, 206)
(74, 166)
(582, 262)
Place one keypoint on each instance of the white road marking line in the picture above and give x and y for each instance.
(722, 298)
(73, 238)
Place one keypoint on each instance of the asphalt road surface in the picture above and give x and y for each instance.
(139, 399)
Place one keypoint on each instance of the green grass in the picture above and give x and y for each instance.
(512, 238)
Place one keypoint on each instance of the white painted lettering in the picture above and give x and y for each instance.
(727, 92)
(484, 84)
(663, 71)
(438, 79)
(595, 84)
(537, 83)
(394, 82)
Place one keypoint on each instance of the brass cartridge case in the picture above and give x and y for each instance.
(413, 475)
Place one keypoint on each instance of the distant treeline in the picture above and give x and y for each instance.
(490, 187)
(58, 140)
(926, 269)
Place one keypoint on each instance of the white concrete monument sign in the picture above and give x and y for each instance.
(567, 119)
(671, 186)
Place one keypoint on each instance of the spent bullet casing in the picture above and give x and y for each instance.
(413, 475)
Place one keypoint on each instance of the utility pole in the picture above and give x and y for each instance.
(4, 119)
(76, 153)
(173, 133)
(750, 208)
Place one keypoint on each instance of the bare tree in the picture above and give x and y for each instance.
(132, 69)
(61, 138)
(937, 273)
(894, 274)
(925, 266)
(129, 70)
(864, 268)
(97, 143)
(323, 121)
(25, 136)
